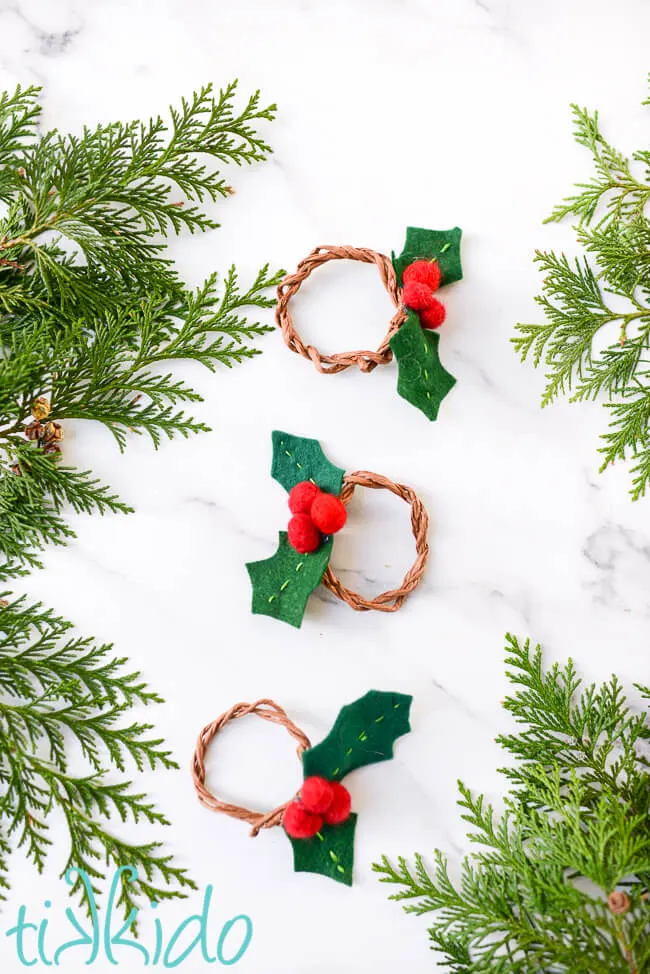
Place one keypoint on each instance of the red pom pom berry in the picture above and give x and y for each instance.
(434, 316)
(341, 806)
(299, 823)
(303, 534)
(302, 496)
(328, 513)
(424, 272)
(417, 296)
(317, 794)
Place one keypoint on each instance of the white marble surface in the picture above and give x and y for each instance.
(391, 113)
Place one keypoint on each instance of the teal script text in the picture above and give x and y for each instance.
(108, 937)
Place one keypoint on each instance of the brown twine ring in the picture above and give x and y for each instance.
(365, 360)
(268, 710)
(393, 600)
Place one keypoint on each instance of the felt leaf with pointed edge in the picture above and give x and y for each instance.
(440, 245)
(363, 733)
(330, 852)
(296, 458)
(283, 583)
(421, 379)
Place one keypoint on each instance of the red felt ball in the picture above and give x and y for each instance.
(302, 496)
(328, 513)
(417, 296)
(299, 823)
(424, 272)
(434, 316)
(303, 534)
(341, 806)
(316, 794)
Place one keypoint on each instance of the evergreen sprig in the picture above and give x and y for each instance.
(93, 317)
(63, 701)
(111, 191)
(595, 341)
(92, 314)
(560, 881)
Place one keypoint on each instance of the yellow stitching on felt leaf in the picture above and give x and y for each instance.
(299, 465)
(286, 582)
(363, 737)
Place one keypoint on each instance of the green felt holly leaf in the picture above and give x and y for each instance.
(422, 379)
(283, 583)
(330, 852)
(296, 458)
(364, 733)
(440, 245)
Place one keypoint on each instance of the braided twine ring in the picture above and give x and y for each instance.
(329, 364)
(268, 710)
(393, 600)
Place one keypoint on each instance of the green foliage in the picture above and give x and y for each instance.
(560, 883)
(595, 341)
(63, 701)
(109, 193)
(92, 314)
(93, 317)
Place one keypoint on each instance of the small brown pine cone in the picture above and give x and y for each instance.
(52, 432)
(16, 468)
(51, 448)
(41, 408)
(618, 902)
(34, 431)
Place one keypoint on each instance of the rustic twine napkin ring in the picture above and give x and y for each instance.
(268, 710)
(318, 820)
(394, 599)
(318, 495)
(430, 259)
(366, 361)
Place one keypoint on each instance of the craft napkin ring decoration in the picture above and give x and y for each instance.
(318, 495)
(430, 259)
(319, 820)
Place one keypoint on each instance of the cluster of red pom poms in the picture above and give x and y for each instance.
(321, 802)
(420, 280)
(315, 514)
